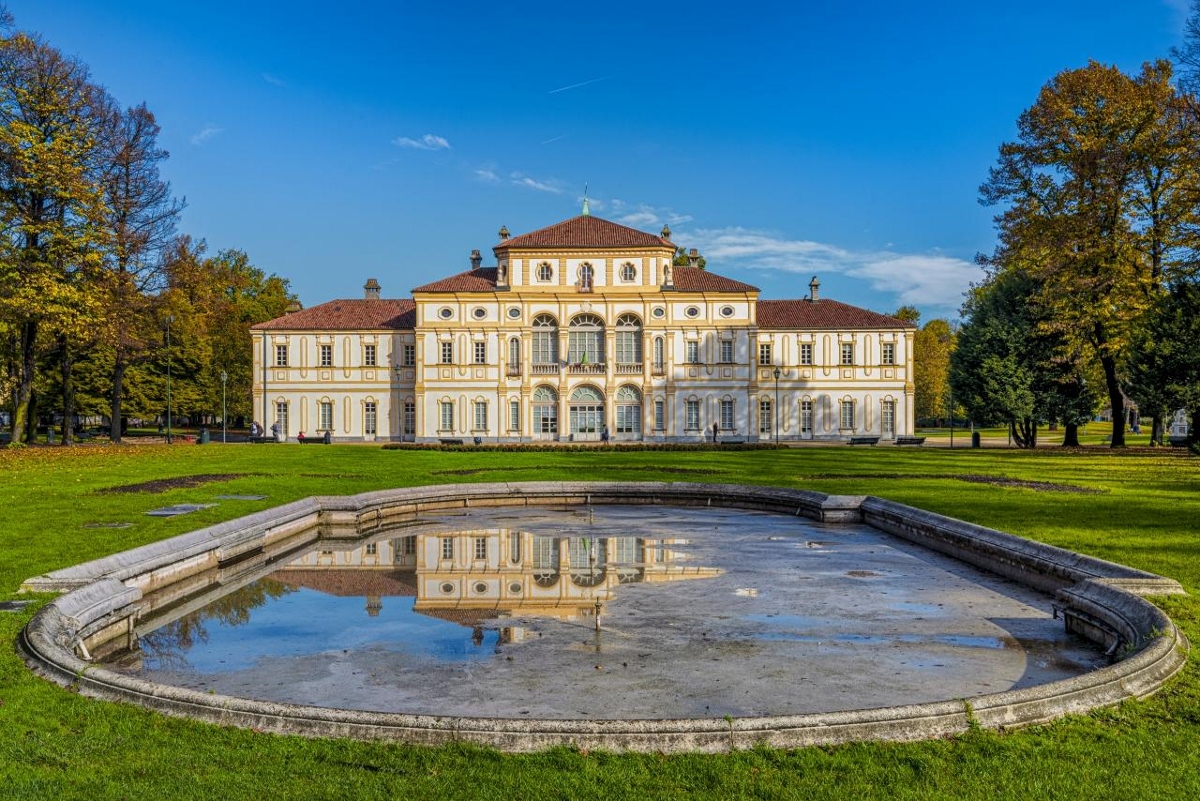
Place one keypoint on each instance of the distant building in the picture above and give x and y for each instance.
(582, 326)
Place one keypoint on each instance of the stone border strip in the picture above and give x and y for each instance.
(1098, 599)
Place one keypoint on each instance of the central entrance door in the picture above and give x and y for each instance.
(586, 414)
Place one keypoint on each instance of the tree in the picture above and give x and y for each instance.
(1095, 189)
(1165, 363)
(139, 221)
(683, 258)
(48, 206)
(932, 346)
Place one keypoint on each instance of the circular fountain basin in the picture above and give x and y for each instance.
(627, 616)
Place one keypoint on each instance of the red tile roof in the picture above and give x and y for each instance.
(347, 315)
(585, 231)
(481, 280)
(830, 314)
(693, 279)
(350, 582)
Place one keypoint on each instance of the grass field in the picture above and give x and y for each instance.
(1144, 511)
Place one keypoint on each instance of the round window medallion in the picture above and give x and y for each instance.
(692, 311)
(515, 588)
(657, 311)
(446, 312)
(479, 313)
(447, 587)
(726, 311)
(480, 587)
(514, 312)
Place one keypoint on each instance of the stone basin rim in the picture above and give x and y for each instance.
(1099, 599)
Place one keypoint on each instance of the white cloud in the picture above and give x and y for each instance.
(642, 215)
(274, 81)
(426, 142)
(487, 175)
(207, 132)
(928, 279)
(532, 183)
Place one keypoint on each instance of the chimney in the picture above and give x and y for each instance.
(371, 289)
(693, 258)
(666, 231)
(293, 307)
(504, 233)
(813, 286)
(476, 260)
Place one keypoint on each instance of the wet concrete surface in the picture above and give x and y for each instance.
(799, 617)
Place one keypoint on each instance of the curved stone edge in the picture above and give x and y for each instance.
(1102, 596)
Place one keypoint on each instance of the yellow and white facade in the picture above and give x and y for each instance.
(582, 327)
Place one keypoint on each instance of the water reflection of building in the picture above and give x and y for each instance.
(471, 576)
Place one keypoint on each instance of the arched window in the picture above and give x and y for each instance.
(585, 340)
(587, 413)
(545, 411)
(586, 277)
(545, 272)
(514, 354)
(629, 410)
(629, 339)
(628, 272)
(545, 340)
(658, 354)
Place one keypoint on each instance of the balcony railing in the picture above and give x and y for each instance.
(588, 368)
(629, 368)
(544, 369)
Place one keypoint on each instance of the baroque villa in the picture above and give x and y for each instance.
(581, 327)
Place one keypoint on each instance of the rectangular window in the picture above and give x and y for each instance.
(409, 355)
(545, 347)
(325, 416)
(847, 353)
(481, 416)
(692, 415)
(372, 548)
(660, 416)
(447, 547)
(481, 547)
(447, 356)
(281, 359)
(847, 419)
(806, 353)
(765, 419)
(327, 355)
(693, 352)
(481, 353)
(369, 356)
(369, 416)
(514, 415)
(726, 351)
(888, 356)
(764, 353)
(281, 417)
(887, 414)
(409, 545)
(727, 415)
(410, 417)
(806, 414)
(447, 410)
(545, 418)
(629, 347)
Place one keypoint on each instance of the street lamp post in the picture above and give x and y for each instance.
(224, 413)
(170, 319)
(775, 415)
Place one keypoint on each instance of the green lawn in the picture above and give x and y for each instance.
(54, 744)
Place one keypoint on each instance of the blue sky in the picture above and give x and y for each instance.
(334, 143)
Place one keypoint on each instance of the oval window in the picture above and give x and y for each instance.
(692, 311)
(515, 588)
(447, 587)
(479, 313)
(514, 312)
(446, 312)
(657, 312)
(480, 587)
(726, 311)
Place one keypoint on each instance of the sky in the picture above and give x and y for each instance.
(339, 142)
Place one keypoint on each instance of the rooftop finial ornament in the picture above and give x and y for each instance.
(586, 213)
(666, 231)
(504, 233)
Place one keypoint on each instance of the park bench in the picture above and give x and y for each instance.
(863, 441)
(1178, 442)
(731, 441)
(313, 440)
(450, 441)
(259, 440)
(910, 440)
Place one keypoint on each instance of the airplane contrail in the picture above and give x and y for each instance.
(577, 85)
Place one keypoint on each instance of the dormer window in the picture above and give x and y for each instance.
(545, 272)
(628, 272)
(586, 276)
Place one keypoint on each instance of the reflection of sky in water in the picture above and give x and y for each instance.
(285, 627)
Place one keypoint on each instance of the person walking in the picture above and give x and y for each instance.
(604, 435)
(275, 430)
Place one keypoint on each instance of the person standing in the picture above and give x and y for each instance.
(276, 430)
(604, 435)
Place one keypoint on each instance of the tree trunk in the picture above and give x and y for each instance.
(1193, 435)
(1116, 399)
(1070, 435)
(118, 390)
(68, 391)
(1156, 429)
(23, 396)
